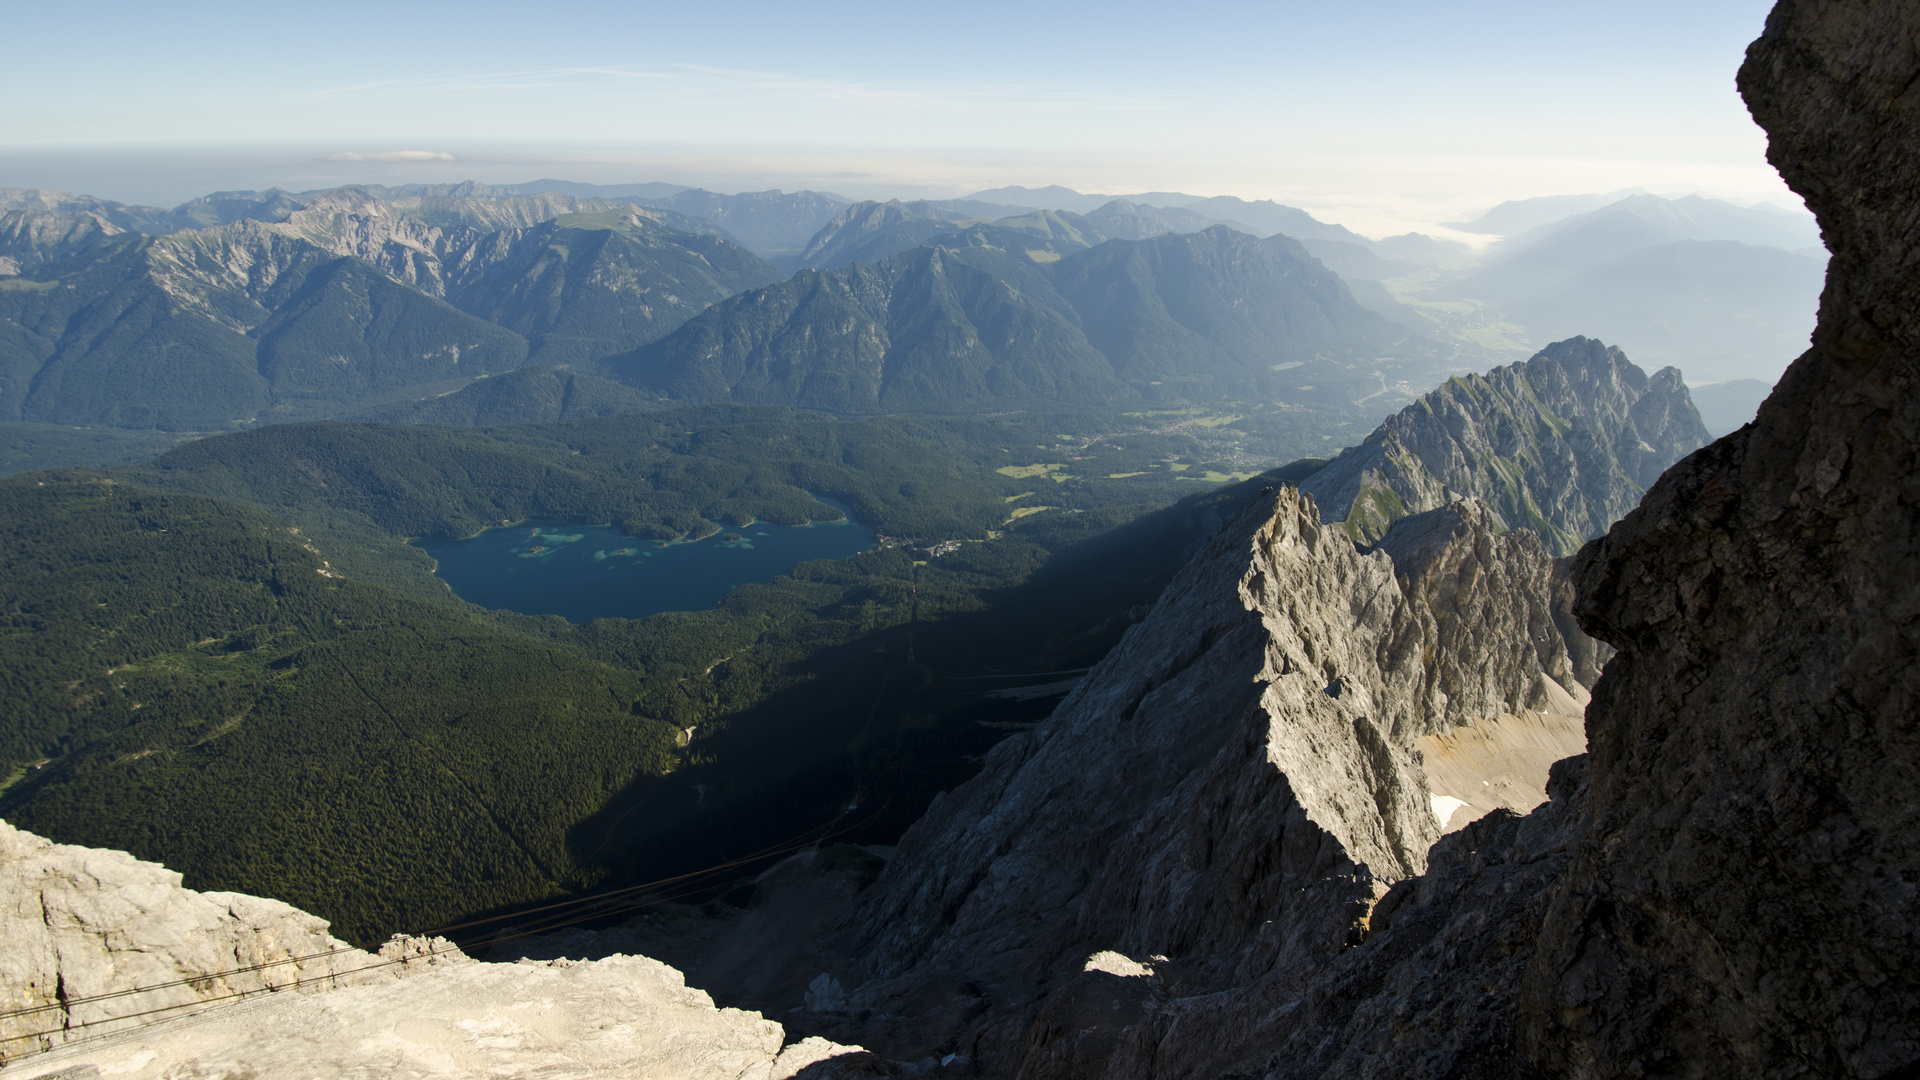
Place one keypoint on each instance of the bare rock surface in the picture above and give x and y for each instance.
(83, 926)
(622, 1016)
(1563, 444)
(1497, 633)
(111, 968)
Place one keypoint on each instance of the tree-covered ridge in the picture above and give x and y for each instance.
(998, 317)
(658, 475)
(528, 395)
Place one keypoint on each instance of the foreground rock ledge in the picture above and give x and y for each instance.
(82, 923)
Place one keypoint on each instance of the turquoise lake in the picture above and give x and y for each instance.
(583, 572)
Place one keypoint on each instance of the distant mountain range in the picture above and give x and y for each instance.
(244, 307)
(346, 300)
(1263, 218)
(1727, 406)
(236, 307)
(1721, 291)
(997, 316)
(1516, 216)
(871, 231)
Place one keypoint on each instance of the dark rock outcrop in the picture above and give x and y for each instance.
(1563, 444)
(1745, 899)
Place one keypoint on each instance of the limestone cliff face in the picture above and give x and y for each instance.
(83, 924)
(1495, 617)
(1563, 444)
(1230, 790)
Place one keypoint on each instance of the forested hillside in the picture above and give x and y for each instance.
(225, 699)
(997, 317)
(272, 671)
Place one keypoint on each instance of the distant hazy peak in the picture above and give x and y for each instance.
(1689, 217)
(600, 191)
(1051, 197)
(1516, 216)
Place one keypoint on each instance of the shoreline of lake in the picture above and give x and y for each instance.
(582, 572)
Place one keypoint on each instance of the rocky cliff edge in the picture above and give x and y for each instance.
(111, 968)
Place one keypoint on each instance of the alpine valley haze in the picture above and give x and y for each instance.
(1379, 544)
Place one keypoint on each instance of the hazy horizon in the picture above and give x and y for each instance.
(1385, 118)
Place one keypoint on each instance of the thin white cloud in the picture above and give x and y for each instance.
(397, 155)
(684, 82)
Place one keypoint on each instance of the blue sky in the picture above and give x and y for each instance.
(1381, 114)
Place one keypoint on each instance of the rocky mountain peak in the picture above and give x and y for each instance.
(1562, 444)
(1723, 886)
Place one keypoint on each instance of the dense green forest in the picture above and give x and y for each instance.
(31, 447)
(251, 676)
(212, 696)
